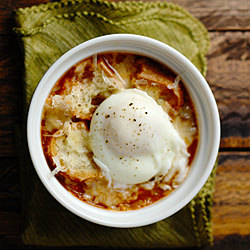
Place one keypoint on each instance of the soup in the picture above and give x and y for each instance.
(119, 131)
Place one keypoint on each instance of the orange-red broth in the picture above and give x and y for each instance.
(154, 78)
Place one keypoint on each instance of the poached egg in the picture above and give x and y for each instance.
(134, 140)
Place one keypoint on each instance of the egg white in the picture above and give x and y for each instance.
(134, 140)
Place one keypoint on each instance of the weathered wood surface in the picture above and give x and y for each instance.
(229, 78)
(231, 210)
(220, 15)
(228, 75)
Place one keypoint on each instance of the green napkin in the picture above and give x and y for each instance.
(46, 32)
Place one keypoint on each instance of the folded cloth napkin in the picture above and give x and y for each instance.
(46, 32)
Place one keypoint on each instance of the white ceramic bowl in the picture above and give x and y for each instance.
(208, 120)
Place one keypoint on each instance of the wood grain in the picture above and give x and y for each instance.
(220, 15)
(229, 79)
(231, 210)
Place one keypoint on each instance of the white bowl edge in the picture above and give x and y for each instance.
(208, 121)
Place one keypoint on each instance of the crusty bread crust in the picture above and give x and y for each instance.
(68, 148)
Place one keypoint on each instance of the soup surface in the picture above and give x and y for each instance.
(69, 149)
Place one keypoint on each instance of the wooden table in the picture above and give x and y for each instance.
(228, 22)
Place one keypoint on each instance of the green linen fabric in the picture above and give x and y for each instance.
(46, 32)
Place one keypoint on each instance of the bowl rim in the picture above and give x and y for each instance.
(158, 51)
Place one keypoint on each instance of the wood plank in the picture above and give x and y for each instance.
(11, 112)
(220, 15)
(10, 196)
(231, 242)
(228, 76)
(10, 223)
(231, 210)
(231, 220)
(7, 8)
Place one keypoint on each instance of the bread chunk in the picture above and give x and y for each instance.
(69, 151)
(165, 83)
